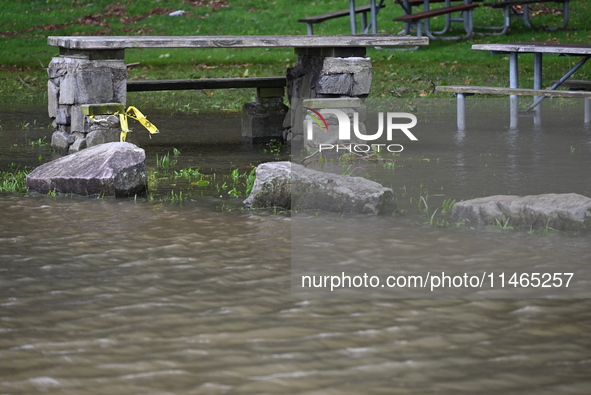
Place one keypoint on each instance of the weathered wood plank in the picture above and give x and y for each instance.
(575, 84)
(336, 14)
(432, 13)
(510, 3)
(421, 3)
(206, 83)
(489, 90)
(543, 47)
(331, 41)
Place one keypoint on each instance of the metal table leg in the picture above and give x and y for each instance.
(560, 81)
(374, 17)
(352, 17)
(514, 83)
(537, 85)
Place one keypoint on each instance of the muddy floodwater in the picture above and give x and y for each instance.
(192, 296)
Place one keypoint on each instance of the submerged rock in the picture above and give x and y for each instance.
(112, 169)
(568, 211)
(292, 186)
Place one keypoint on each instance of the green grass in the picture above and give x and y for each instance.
(24, 26)
(13, 181)
(164, 162)
(167, 184)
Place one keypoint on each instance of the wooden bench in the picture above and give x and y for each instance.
(96, 48)
(363, 10)
(461, 91)
(491, 90)
(266, 86)
(575, 85)
(91, 70)
(421, 20)
(580, 85)
(510, 11)
(420, 3)
(113, 47)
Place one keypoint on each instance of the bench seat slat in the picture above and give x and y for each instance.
(335, 14)
(510, 91)
(575, 84)
(432, 13)
(501, 4)
(206, 83)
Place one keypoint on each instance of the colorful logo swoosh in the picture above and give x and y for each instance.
(315, 115)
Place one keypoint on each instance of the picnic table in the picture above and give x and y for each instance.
(421, 20)
(91, 70)
(511, 10)
(460, 12)
(538, 49)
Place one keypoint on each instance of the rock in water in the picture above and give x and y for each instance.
(569, 211)
(112, 169)
(292, 186)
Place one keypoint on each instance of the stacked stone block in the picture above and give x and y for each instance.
(262, 120)
(75, 81)
(327, 77)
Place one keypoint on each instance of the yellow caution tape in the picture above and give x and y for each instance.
(134, 113)
(124, 127)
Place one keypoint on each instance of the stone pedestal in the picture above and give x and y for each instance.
(327, 76)
(78, 80)
(81, 77)
(316, 133)
(262, 120)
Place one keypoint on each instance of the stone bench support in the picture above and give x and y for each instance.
(91, 70)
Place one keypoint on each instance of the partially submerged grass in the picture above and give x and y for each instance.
(164, 161)
(14, 181)
(176, 186)
(407, 74)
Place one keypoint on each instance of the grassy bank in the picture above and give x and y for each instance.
(24, 26)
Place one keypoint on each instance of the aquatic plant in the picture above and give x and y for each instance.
(503, 223)
(422, 203)
(234, 192)
(274, 147)
(447, 206)
(188, 173)
(240, 180)
(220, 187)
(40, 142)
(177, 197)
(235, 175)
(201, 183)
(440, 222)
(13, 181)
(250, 179)
(165, 162)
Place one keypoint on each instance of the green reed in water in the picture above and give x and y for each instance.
(13, 181)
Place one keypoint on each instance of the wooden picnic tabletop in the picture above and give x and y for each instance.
(537, 47)
(299, 41)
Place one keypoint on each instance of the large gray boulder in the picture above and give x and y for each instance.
(292, 186)
(569, 211)
(112, 169)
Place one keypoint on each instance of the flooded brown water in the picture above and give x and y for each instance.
(104, 296)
